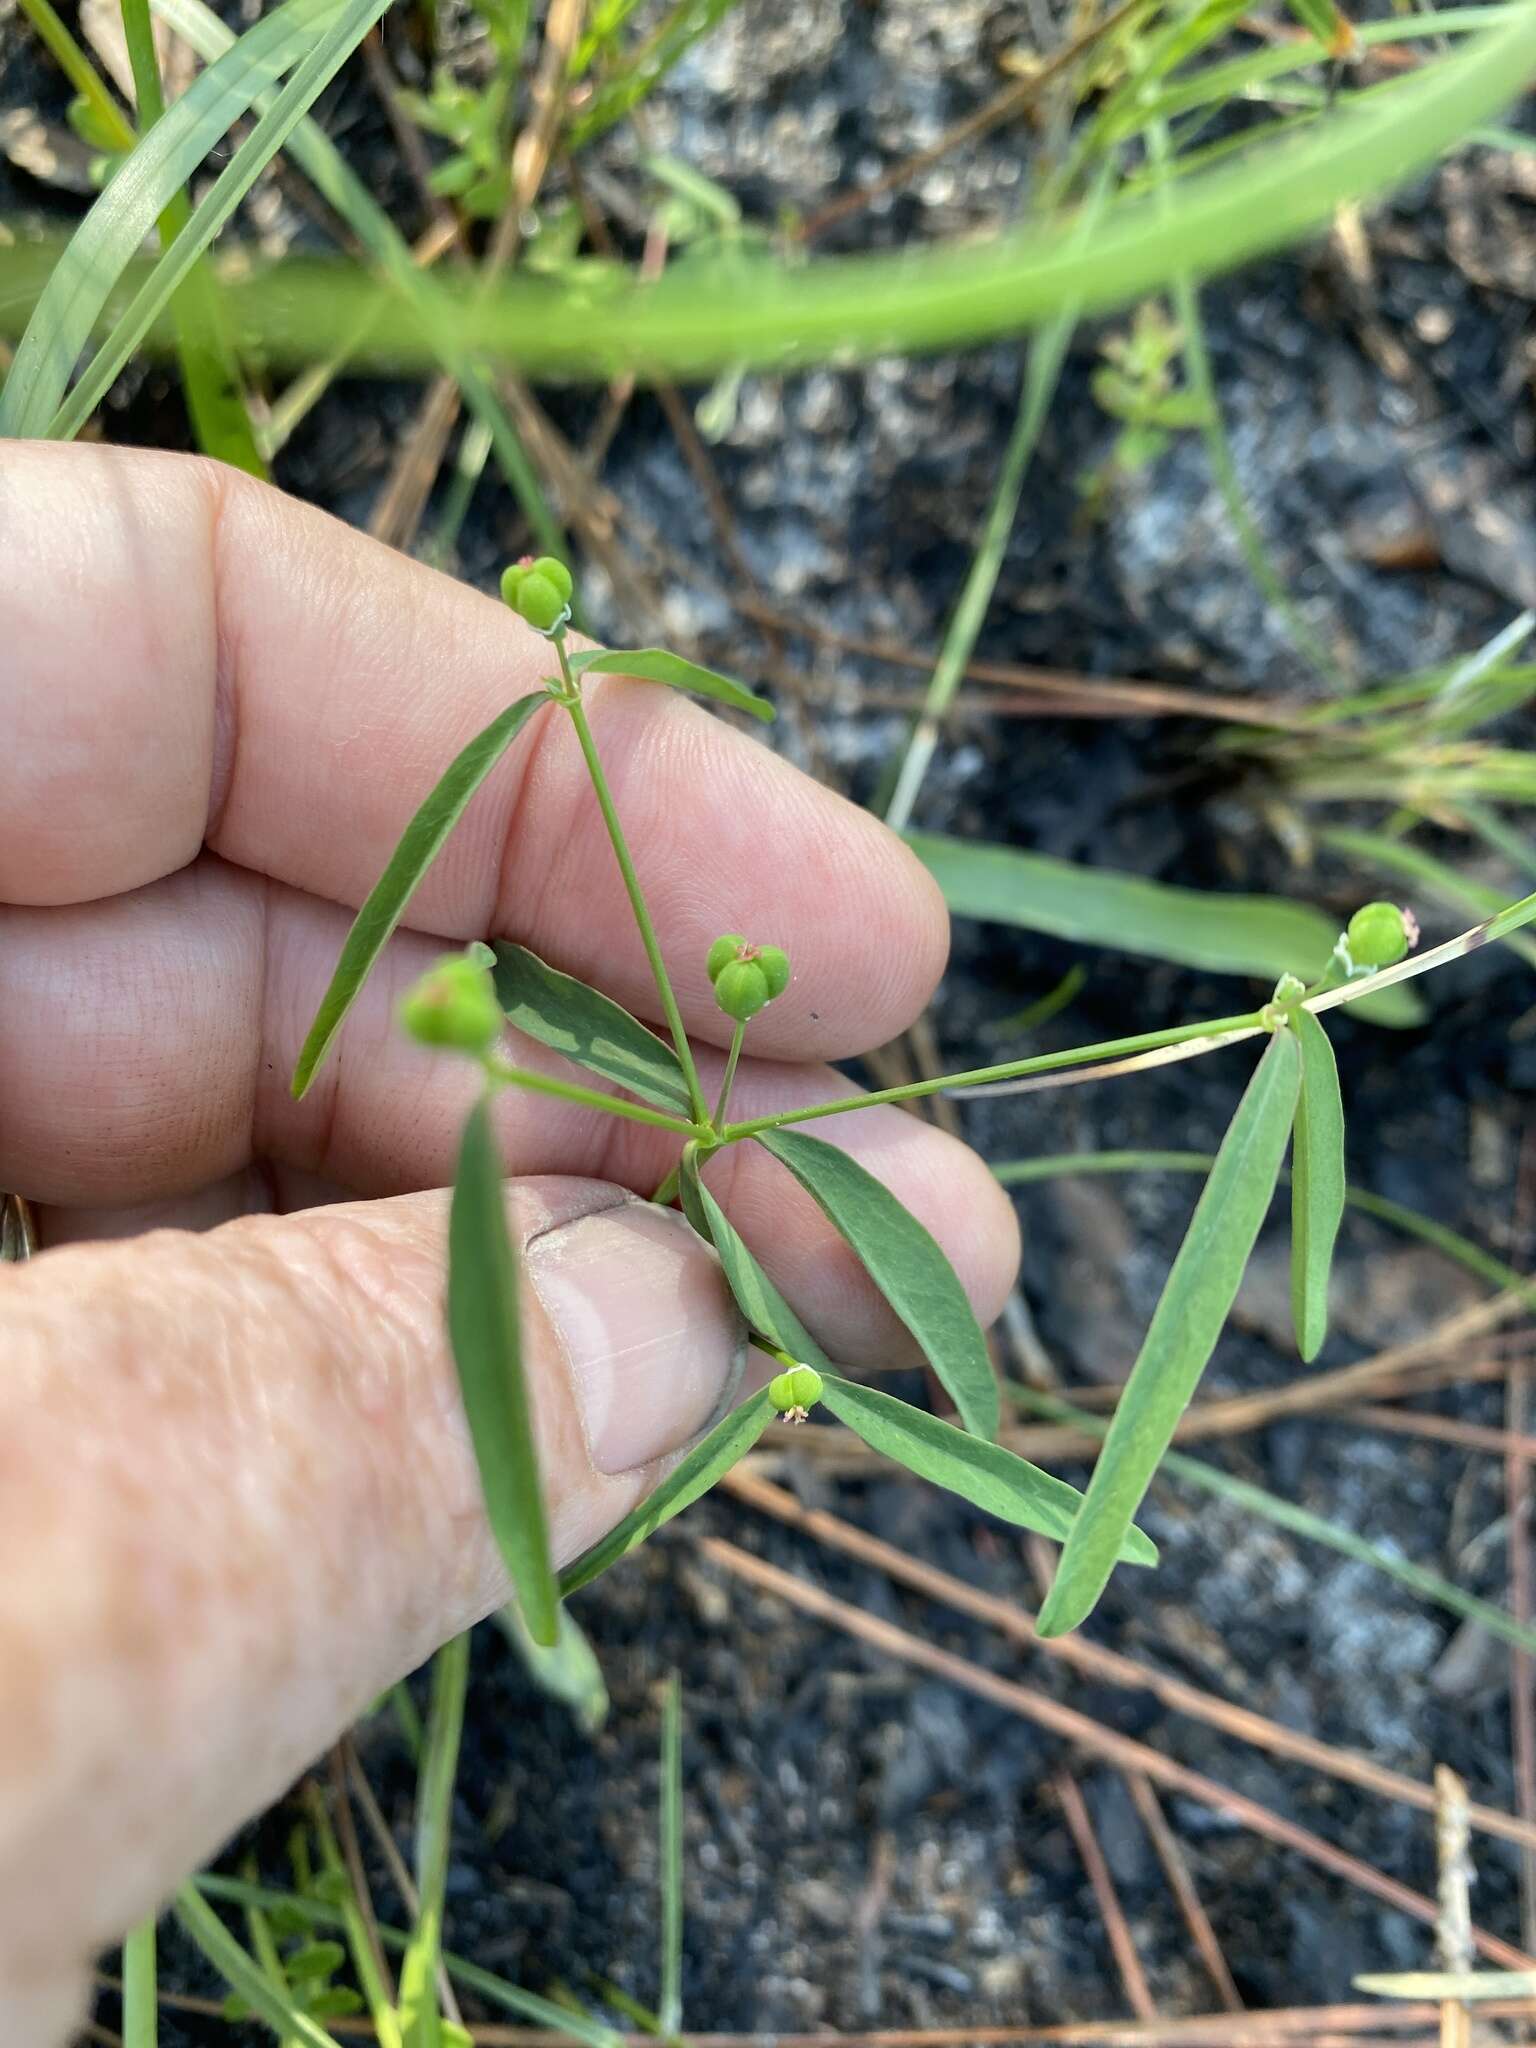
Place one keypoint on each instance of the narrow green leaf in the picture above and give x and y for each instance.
(655, 665)
(141, 1995)
(588, 1027)
(669, 2006)
(1185, 1325)
(486, 1336)
(1265, 936)
(708, 1461)
(569, 1673)
(420, 2016)
(985, 1474)
(905, 1264)
(765, 1309)
(148, 180)
(1317, 1184)
(420, 844)
(207, 1930)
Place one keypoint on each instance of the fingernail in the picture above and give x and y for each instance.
(653, 1341)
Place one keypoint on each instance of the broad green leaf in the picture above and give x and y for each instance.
(905, 1264)
(486, 1336)
(588, 1027)
(709, 1460)
(320, 64)
(420, 844)
(240, 1973)
(655, 665)
(146, 182)
(569, 1673)
(765, 1309)
(1266, 936)
(1185, 1325)
(985, 1474)
(1317, 1184)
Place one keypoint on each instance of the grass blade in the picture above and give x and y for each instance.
(1185, 1325)
(588, 1027)
(655, 665)
(141, 1996)
(420, 844)
(766, 1310)
(708, 1461)
(313, 74)
(1265, 936)
(204, 1927)
(1317, 1184)
(905, 1264)
(109, 237)
(420, 2018)
(985, 1474)
(669, 2009)
(486, 1335)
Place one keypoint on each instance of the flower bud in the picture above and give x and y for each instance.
(723, 952)
(455, 1006)
(795, 1391)
(1379, 935)
(741, 989)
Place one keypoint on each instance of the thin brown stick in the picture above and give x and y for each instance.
(1445, 1429)
(1453, 1924)
(1182, 1884)
(1522, 1589)
(1109, 1666)
(342, 1754)
(1072, 1726)
(394, 1862)
(1133, 1979)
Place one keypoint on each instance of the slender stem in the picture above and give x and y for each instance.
(592, 1098)
(140, 1992)
(573, 704)
(139, 35)
(666, 1194)
(718, 1119)
(78, 69)
(1011, 1070)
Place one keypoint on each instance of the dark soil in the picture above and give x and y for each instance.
(866, 1845)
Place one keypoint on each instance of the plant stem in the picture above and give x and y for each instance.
(718, 1119)
(573, 704)
(593, 1098)
(1011, 1070)
(78, 69)
(666, 1194)
(140, 1992)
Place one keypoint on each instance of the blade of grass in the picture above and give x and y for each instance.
(210, 371)
(273, 127)
(728, 1441)
(367, 1961)
(1317, 1182)
(141, 1992)
(983, 1473)
(486, 1336)
(102, 248)
(1185, 1325)
(420, 2018)
(204, 1927)
(669, 2007)
(420, 844)
(77, 67)
(905, 1264)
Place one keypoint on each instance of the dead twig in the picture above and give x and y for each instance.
(1132, 1977)
(1182, 1884)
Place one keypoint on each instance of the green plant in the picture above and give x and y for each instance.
(460, 1005)
(1136, 386)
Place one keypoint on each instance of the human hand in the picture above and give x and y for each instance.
(237, 1497)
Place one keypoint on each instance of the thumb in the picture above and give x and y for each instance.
(238, 1499)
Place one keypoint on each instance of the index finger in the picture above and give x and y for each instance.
(193, 658)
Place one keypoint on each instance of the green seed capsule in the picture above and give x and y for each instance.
(723, 952)
(774, 962)
(796, 1390)
(455, 1006)
(555, 572)
(539, 602)
(1379, 935)
(512, 579)
(741, 989)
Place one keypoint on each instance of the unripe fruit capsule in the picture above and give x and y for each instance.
(741, 989)
(555, 572)
(538, 601)
(797, 1389)
(723, 952)
(774, 962)
(454, 1006)
(1379, 935)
